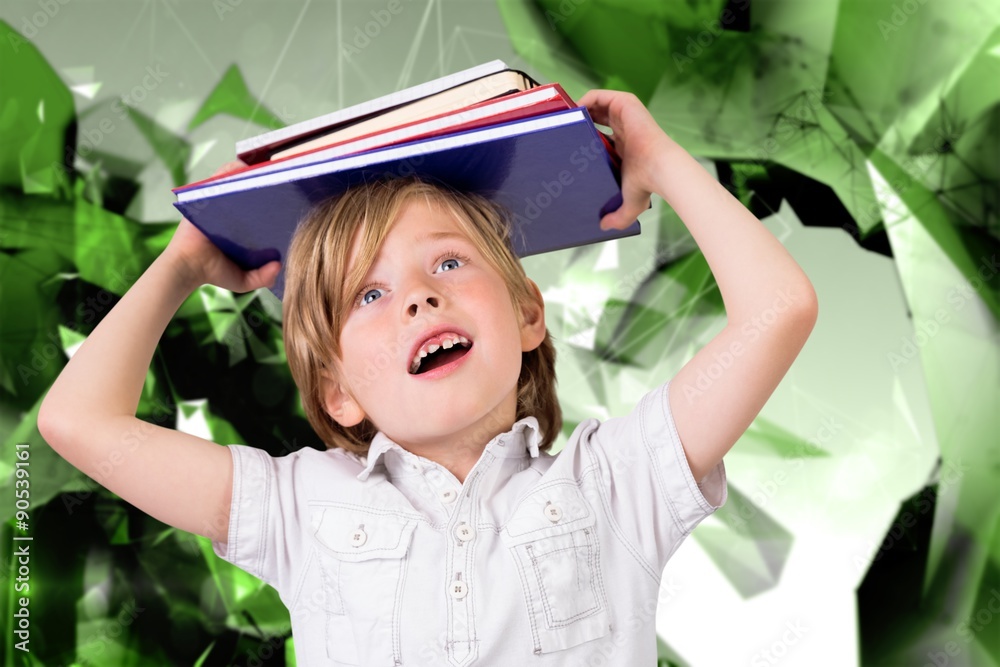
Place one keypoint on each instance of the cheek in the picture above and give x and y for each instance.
(355, 350)
(372, 356)
(506, 331)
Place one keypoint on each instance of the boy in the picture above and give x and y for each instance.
(437, 529)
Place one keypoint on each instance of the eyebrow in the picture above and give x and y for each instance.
(434, 236)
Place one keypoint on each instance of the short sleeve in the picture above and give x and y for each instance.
(651, 492)
(262, 516)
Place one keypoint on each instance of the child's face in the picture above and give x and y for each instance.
(417, 284)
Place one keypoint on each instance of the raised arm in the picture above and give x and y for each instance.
(771, 306)
(88, 415)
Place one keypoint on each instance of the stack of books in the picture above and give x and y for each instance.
(489, 129)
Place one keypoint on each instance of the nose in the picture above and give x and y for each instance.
(414, 308)
(422, 297)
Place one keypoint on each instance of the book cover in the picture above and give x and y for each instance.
(552, 172)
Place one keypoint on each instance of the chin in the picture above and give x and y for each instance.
(456, 418)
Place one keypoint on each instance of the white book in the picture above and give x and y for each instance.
(327, 121)
(464, 95)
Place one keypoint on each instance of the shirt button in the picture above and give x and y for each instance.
(553, 513)
(458, 589)
(448, 496)
(464, 532)
(359, 537)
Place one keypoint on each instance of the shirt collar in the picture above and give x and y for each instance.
(521, 440)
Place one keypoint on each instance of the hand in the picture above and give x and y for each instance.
(639, 141)
(203, 262)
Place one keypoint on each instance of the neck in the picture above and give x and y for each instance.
(458, 452)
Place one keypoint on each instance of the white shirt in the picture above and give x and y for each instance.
(537, 559)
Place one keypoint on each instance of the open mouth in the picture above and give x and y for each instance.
(442, 357)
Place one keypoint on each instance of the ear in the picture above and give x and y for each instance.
(533, 327)
(339, 403)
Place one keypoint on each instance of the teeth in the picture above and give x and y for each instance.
(447, 343)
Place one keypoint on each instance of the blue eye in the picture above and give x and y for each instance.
(451, 256)
(365, 295)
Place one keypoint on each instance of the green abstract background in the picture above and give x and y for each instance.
(863, 523)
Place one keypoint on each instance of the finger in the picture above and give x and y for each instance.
(269, 272)
(613, 219)
(623, 216)
(263, 276)
(598, 96)
(598, 102)
(587, 98)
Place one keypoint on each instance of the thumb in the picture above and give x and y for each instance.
(611, 220)
(621, 217)
(263, 276)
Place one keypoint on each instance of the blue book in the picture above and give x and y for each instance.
(552, 171)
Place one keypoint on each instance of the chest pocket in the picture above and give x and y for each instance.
(551, 535)
(363, 569)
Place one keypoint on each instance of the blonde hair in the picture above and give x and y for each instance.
(319, 291)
